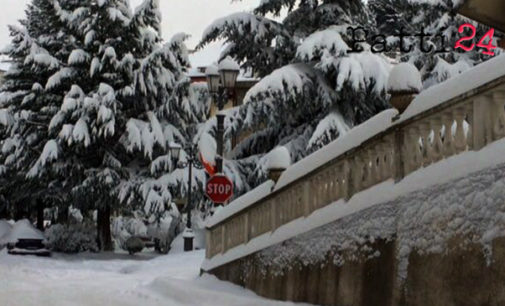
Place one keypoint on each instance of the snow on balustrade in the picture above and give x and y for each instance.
(352, 139)
(441, 122)
(464, 83)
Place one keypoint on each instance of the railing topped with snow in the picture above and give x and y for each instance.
(464, 113)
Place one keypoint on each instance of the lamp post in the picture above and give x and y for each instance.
(221, 81)
(192, 160)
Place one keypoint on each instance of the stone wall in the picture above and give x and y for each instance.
(461, 277)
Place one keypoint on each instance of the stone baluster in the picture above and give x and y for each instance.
(325, 177)
(367, 174)
(416, 159)
(437, 145)
(407, 155)
(385, 160)
(374, 156)
(297, 207)
(471, 122)
(336, 182)
(223, 238)
(399, 158)
(482, 129)
(273, 213)
(337, 179)
(357, 174)
(499, 111)
(448, 121)
(247, 232)
(267, 218)
(345, 181)
(460, 143)
(299, 199)
(381, 161)
(313, 191)
(319, 191)
(324, 189)
(283, 211)
(425, 130)
(307, 196)
(331, 184)
(391, 155)
(283, 208)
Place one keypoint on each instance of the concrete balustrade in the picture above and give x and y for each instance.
(467, 122)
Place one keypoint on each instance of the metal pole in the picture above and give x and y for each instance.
(188, 232)
(188, 224)
(220, 142)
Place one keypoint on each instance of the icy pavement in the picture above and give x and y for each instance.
(116, 279)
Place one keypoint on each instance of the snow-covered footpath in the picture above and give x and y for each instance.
(116, 279)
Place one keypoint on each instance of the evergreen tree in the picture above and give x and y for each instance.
(36, 52)
(436, 59)
(312, 89)
(110, 97)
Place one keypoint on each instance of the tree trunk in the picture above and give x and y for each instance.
(20, 213)
(104, 238)
(62, 215)
(40, 215)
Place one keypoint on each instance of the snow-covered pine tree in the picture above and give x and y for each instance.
(126, 99)
(36, 53)
(313, 89)
(440, 21)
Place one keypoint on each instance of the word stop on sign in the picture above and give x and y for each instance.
(218, 189)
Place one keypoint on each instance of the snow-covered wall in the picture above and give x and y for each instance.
(374, 163)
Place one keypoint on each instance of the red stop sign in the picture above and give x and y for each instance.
(219, 189)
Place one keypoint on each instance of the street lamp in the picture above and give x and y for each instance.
(192, 160)
(221, 81)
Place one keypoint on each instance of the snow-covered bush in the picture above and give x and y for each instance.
(162, 229)
(72, 238)
(124, 228)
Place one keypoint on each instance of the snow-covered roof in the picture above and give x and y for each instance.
(196, 73)
(228, 64)
(212, 70)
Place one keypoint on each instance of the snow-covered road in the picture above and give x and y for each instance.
(115, 279)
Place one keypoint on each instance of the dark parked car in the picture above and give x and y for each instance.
(25, 239)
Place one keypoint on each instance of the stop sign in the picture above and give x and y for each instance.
(219, 189)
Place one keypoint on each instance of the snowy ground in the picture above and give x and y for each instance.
(115, 279)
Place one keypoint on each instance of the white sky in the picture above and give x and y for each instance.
(189, 16)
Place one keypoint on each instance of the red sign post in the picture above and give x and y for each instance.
(219, 189)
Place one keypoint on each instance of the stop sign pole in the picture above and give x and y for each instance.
(219, 189)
